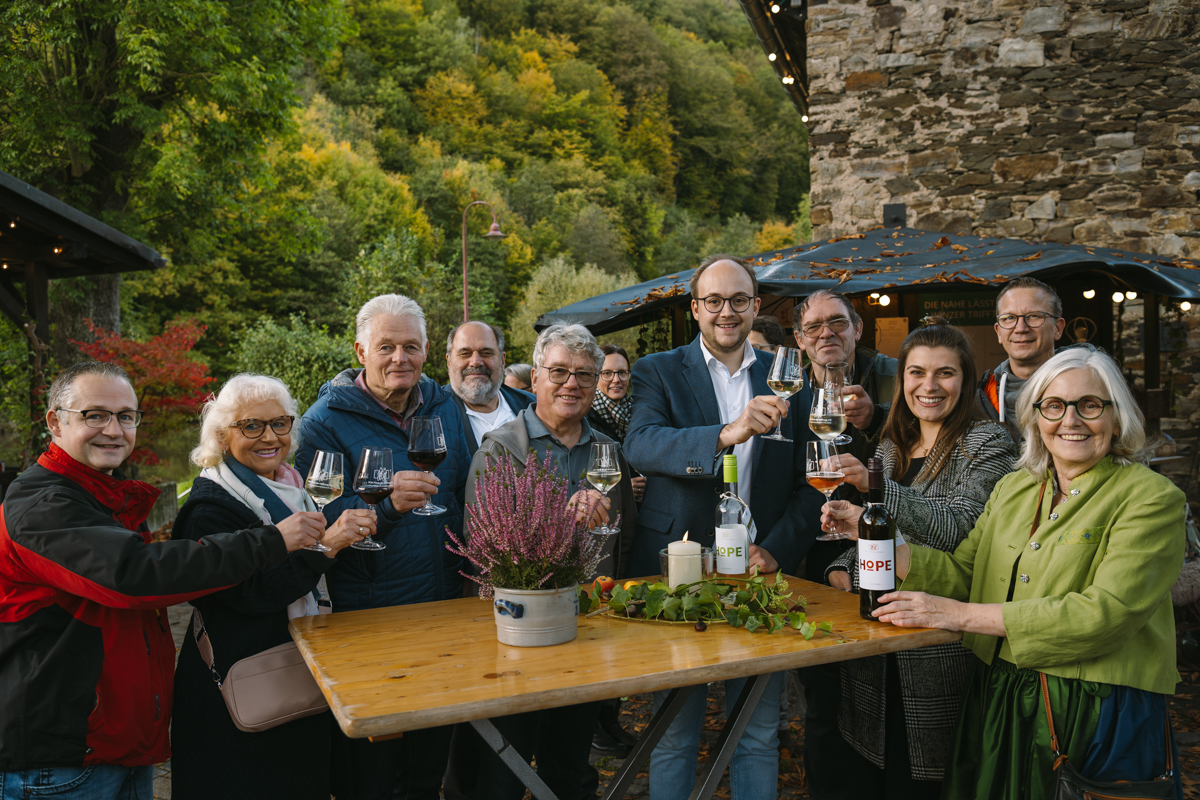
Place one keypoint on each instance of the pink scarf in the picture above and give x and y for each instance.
(288, 476)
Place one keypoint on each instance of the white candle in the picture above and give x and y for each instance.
(683, 562)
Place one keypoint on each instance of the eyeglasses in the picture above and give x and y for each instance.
(1033, 320)
(255, 428)
(585, 380)
(835, 325)
(99, 418)
(619, 374)
(1087, 407)
(714, 303)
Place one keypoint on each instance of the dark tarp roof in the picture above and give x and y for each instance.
(896, 260)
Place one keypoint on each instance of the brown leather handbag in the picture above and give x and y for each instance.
(266, 689)
(1070, 785)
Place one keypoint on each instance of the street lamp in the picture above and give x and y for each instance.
(493, 233)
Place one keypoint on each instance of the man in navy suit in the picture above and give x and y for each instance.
(693, 405)
(475, 358)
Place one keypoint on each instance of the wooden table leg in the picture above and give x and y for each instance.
(645, 744)
(512, 759)
(735, 726)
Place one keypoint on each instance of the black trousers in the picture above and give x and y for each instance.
(558, 739)
(408, 768)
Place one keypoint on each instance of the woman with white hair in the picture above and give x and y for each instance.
(246, 439)
(1067, 573)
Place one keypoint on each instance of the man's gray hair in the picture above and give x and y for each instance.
(1026, 282)
(1129, 446)
(62, 395)
(806, 303)
(575, 338)
(221, 411)
(386, 305)
(499, 334)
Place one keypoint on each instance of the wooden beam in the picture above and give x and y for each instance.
(37, 299)
(64, 251)
(11, 303)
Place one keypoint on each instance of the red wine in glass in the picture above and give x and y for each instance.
(373, 482)
(426, 450)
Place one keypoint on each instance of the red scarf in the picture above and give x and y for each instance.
(129, 500)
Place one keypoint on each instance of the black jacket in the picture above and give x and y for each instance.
(516, 399)
(291, 760)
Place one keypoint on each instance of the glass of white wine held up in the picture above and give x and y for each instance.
(785, 379)
(324, 484)
(604, 472)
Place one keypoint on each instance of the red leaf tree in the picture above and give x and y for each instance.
(169, 384)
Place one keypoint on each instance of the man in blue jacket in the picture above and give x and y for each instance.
(374, 407)
(692, 405)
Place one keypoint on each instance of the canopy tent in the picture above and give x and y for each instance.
(897, 261)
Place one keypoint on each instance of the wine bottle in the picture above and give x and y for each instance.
(733, 525)
(876, 545)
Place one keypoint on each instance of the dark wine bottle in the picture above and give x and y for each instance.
(876, 545)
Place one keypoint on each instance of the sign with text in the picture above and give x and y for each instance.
(961, 308)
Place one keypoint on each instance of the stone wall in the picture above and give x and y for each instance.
(1074, 122)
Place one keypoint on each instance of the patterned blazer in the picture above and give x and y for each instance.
(937, 514)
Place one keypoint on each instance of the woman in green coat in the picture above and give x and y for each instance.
(1067, 572)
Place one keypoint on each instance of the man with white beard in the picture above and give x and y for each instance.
(475, 358)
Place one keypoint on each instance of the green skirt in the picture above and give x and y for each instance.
(1003, 746)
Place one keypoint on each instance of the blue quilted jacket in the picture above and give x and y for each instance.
(415, 567)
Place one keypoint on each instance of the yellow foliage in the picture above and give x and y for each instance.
(774, 236)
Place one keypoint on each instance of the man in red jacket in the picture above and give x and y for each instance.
(86, 655)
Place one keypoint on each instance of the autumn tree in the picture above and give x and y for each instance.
(170, 385)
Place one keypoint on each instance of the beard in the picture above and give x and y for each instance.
(475, 392)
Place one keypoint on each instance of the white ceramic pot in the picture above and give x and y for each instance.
(536, 617)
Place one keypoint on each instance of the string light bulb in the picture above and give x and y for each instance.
(804, 117)
(1089, 293)
(885, 300)
(774, 8)
(771, 57)
(1185, 306)
(1131, 295)
(1118, 297)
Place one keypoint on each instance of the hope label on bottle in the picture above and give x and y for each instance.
(877, 564)
(733, 549)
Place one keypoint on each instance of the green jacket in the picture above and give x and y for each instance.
(1097, 602)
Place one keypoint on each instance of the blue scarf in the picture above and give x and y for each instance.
(278, 509)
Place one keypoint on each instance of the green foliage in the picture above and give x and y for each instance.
(302, 354)
(15, 377)
(752, 604)
(555, 284)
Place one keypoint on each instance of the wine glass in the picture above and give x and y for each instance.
(604, 472)
(373, 482)
(836, 380)
(824, 477)
(827, 418)
(324, 485)
(785, 379)
(426, 450)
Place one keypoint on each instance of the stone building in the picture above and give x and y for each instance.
(1073, 122)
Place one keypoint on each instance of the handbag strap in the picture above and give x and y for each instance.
(1060, 758)
(204, 645)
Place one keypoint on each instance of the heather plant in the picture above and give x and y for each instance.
(521, 533)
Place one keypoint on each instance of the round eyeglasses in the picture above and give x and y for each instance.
(255, 428)
(1087, 407)
(1033, 320)
(714, 303)
(99, 418)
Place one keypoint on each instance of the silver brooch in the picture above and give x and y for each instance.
(1024, 579)
(1053, 515)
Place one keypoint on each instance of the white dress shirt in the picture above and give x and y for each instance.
(481, 422)
(734, 393)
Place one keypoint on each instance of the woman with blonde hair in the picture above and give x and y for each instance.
(246, 439)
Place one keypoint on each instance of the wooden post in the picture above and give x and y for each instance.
(1151, 364)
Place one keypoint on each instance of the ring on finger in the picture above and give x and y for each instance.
(360, 530)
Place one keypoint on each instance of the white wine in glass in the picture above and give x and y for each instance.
(827, 419)
(604, 472)
(324, 484)
(785, 379)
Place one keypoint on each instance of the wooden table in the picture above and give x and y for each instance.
(389, 670)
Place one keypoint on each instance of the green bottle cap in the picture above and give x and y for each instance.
(730, 463)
